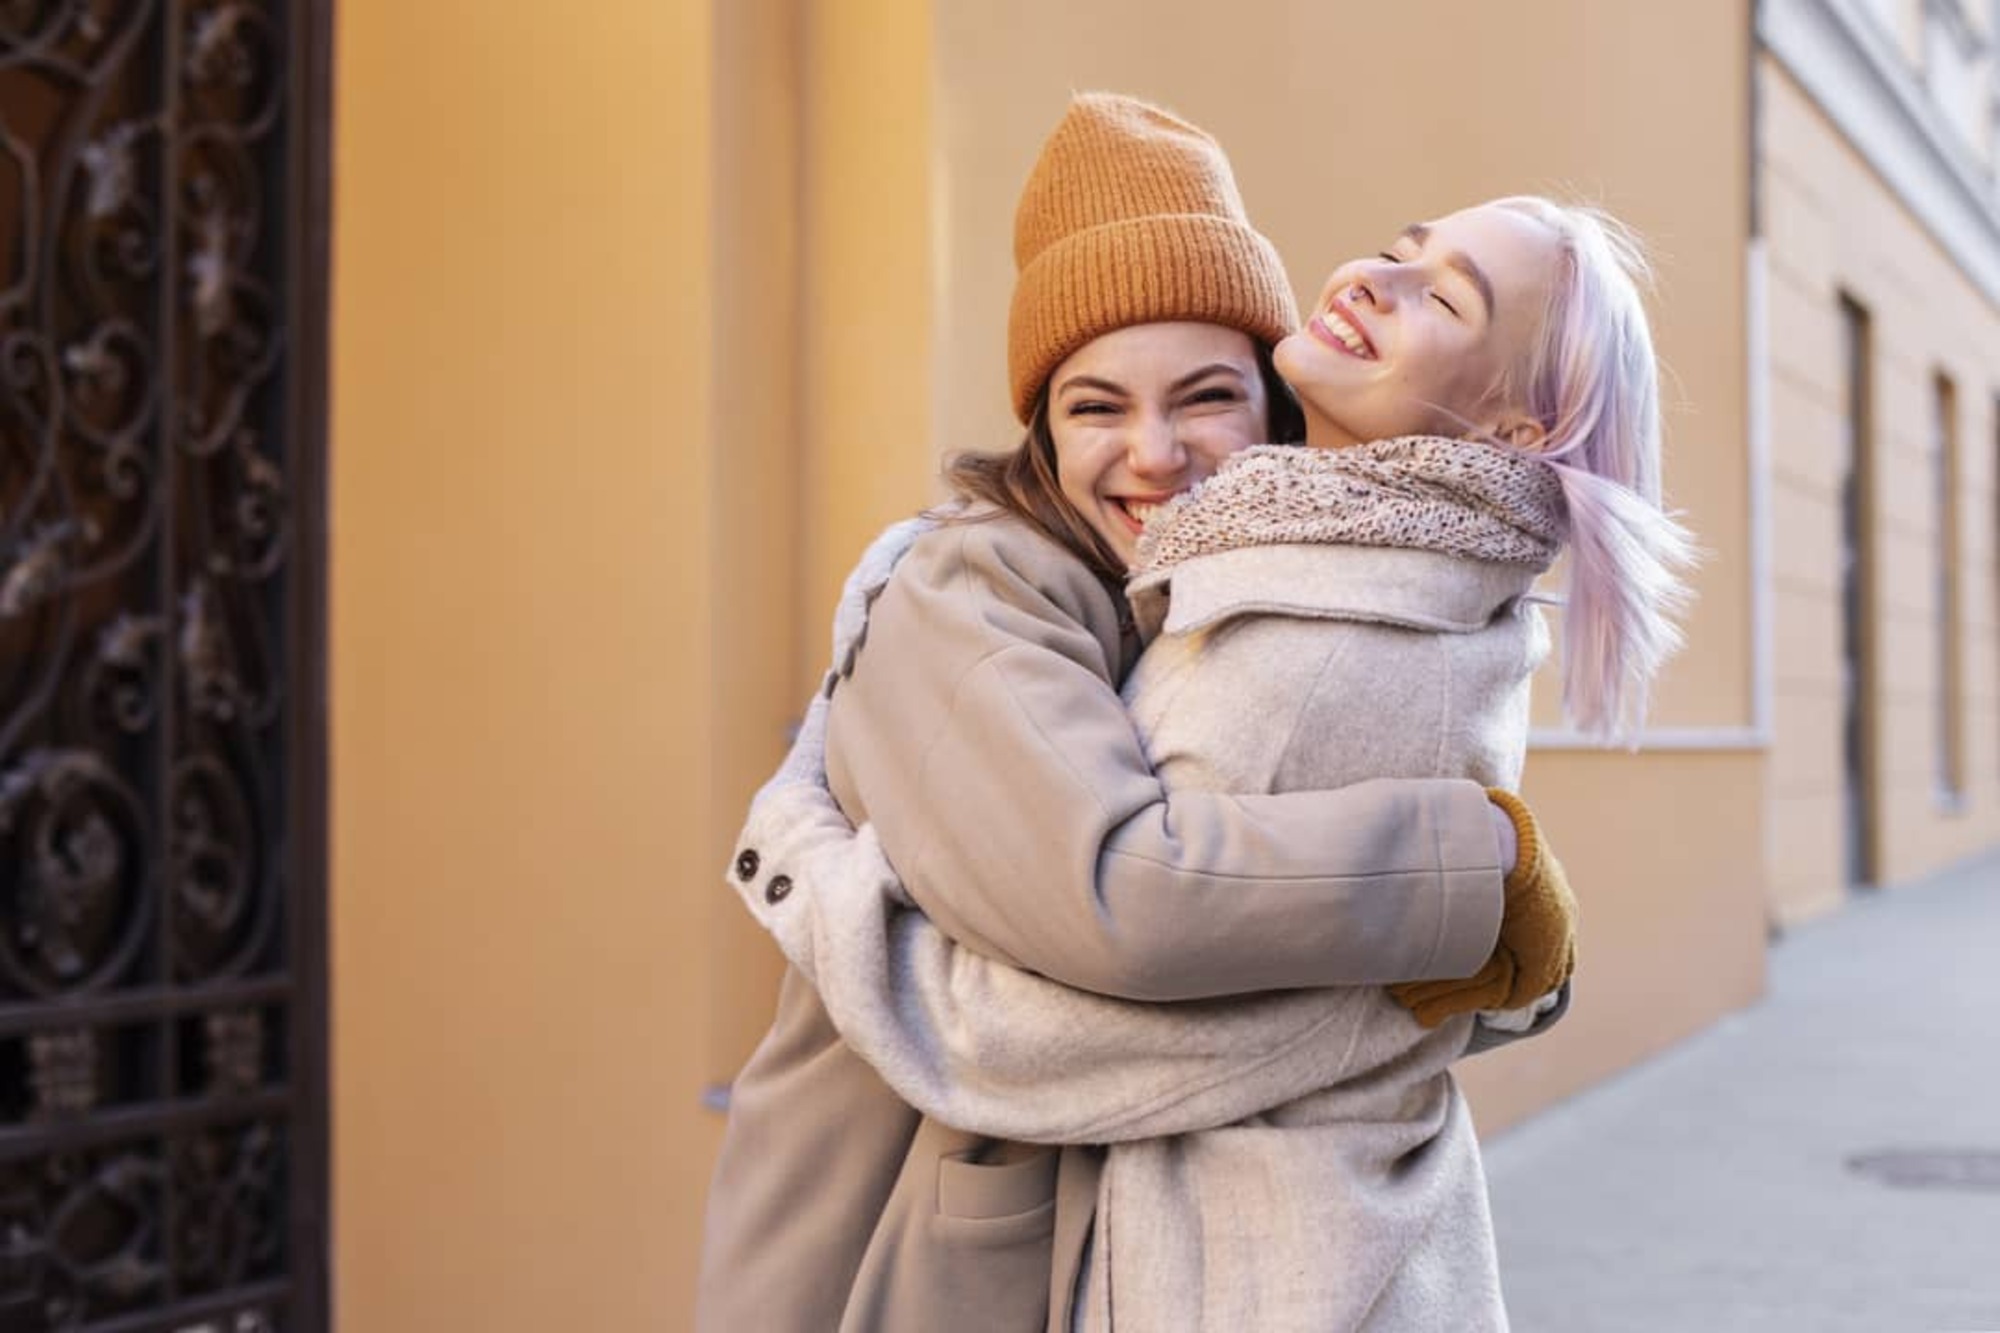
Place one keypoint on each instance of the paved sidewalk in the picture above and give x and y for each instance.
(1713, 1190)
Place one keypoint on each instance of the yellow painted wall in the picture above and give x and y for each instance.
(521, 560)
(1661, 851)
(1833, 227)
(866, 388)
(823, 314)
(757, 508)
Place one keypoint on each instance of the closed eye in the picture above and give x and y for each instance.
(1393, 258)
(1220, 393)
(1091, 408)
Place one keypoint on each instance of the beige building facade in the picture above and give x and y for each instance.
(646, 318)
(1878, 350)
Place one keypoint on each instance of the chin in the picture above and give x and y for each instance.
(1318, 370)
(1121, 544)
(1289, 353)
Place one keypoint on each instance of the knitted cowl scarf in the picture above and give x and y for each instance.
(1460, 497)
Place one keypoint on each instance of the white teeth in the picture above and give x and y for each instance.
(1349, 336)
(1143, 512)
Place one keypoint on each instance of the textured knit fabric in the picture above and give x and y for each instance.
(1359, 1203)
(1420, 492)
(1131, 216)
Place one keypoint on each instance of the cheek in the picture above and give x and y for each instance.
(1213, 439)
(1456, 394)
(1458, 372)
(1072, 457)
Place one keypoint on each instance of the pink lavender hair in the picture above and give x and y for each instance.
(1593, 383)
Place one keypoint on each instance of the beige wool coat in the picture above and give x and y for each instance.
(975, 728)
(1351, 1196)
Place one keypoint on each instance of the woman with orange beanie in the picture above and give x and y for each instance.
(976, 730)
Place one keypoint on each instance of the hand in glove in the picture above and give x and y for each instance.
(1536, 951)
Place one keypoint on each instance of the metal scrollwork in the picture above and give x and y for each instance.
(121, 684)
(215, 881)
(35, 572)
(253, 543)
(207, 661)
(242, 1321)
(82, 1238)
(68, 879)
(233, 66)
(235, 1050)
(63, 1071)
(108, 161)
(151, 216)
(228, 1186)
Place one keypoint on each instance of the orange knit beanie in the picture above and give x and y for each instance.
(1132, 216)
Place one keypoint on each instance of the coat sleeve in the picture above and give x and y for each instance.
(981, 733)
(1492, 1030)
(980, 1045)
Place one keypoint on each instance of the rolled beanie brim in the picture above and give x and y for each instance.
(1195, 267)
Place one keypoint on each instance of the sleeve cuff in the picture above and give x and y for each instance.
(1472, 901)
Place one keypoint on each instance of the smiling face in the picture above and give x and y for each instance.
(1418, 339)
(1143, 413)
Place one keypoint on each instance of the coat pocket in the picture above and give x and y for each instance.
(1015, 1182)
(969, 1227)
(995, 1229)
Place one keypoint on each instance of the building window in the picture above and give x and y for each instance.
(1950, 648)
(1858, 692)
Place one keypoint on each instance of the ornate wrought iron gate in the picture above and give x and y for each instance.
(163, 203)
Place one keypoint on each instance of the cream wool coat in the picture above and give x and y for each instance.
(1355, 1202)
(974, 723)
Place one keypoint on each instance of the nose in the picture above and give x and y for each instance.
(1373, 284)
(1154, 449)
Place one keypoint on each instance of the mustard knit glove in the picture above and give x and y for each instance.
(1536, 951)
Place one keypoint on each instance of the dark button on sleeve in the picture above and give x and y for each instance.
(778, 889)
(746, 865)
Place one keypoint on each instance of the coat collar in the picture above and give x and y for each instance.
(1426, 590)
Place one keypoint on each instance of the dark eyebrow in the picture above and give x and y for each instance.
(1194, 377)
(1418, 233)
(1092, 382)
(1120, 391)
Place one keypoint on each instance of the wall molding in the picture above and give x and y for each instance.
(1759, 483)
(1679, 740)
(1850, 68)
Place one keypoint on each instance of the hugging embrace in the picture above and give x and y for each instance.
(1150, 852)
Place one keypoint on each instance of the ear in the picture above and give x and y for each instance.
(1519, 431)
